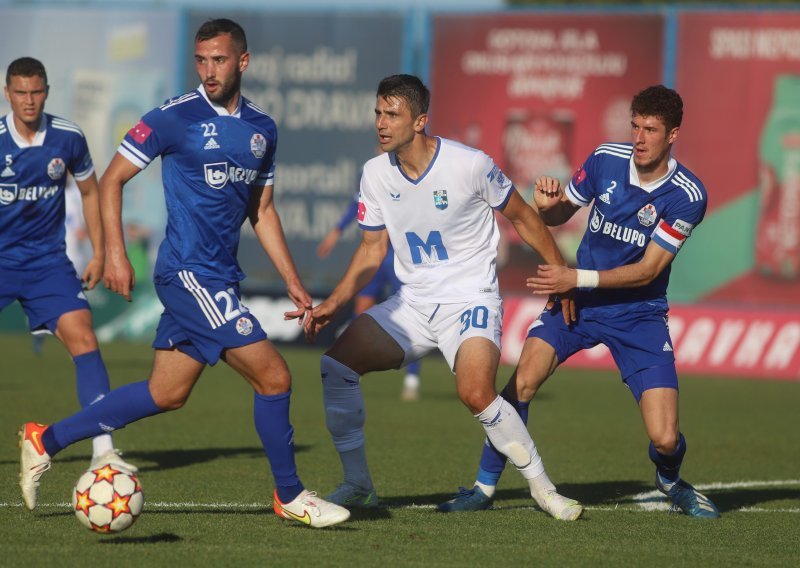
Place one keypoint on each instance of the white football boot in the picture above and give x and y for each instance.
(310, 509)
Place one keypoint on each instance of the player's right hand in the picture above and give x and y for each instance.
(547, 192)
(119, 276)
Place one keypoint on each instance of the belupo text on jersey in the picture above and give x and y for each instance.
(9, 193)
(618, 232)
(218, 174)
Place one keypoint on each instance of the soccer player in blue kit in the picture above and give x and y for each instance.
(645, 206)
(375, 290)
(217, 150)
(38, 151)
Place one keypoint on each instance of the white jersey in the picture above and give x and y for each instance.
(442, 225)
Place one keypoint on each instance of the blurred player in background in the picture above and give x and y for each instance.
(646, 205)
(375, 291)
(39, 151)
(435, 201)
(218, 152)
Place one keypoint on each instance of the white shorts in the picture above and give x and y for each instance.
(420, 327)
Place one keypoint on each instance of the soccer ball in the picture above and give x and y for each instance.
(107, 499)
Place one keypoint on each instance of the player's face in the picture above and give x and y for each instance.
(395, 126)
(651, 143)
(220, 65)
(26, 95)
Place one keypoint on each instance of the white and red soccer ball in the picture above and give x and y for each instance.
(107, 499)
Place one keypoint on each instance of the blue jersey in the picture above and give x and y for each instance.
(211, 162)
(32, 179)
(627, 215)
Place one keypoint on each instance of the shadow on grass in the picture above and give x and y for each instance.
(175, 459)
(734, 499)
(152, 539)
(600, 493)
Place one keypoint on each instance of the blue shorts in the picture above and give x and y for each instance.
(44, 293)
(638, 338)
(202, 317)
(383, 279)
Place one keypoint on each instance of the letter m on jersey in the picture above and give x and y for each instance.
(429, 251)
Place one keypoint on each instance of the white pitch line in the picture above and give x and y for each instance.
(647, 501)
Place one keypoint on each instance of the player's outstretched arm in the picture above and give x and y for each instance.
(90, 199)
(558, 279)
(365, 263)
(118, 276)
(269, 230)
(552, 204)
(533, 231)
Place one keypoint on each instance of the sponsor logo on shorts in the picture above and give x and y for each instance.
(244, 326)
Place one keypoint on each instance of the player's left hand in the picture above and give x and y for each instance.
(568, 308)
(301, 299)
(552, 279)
(93, 273)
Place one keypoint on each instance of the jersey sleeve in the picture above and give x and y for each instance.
(370, 216)
(149, 138)
(81, 165)
(266, 174)
(582, 187)
(491, 183)
(678, 222)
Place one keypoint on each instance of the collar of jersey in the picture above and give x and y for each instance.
(221, 110)
(672, 165)
(38, 140)
(395, 163)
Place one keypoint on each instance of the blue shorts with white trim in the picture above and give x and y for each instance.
(202, 317)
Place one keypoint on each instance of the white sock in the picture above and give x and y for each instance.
(540, 485)
(101, 444)
(488, 490)
(509, 435)
(411, 381)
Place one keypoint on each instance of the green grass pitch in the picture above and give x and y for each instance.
(208, 488)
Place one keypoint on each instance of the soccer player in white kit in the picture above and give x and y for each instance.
(435, 200)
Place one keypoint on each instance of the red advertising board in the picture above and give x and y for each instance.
(739, 76)
(538, 92)
(707, 340)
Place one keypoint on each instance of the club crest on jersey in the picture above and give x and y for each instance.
(216, 174)
(596, 222)
(258, 145)
(647, 215)
(8, 193)
(440, 199)
(244, 326)
(56, 168)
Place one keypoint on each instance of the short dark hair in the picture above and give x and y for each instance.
(659, 101)
(408, 87)
(25, 67)
(212, 28)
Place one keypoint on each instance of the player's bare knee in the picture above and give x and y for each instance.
(476, 400)
(665, 443)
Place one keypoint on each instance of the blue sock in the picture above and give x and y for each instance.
(271, 416)
(669, 466)
(345, 415)
(414, 367)
(492, 461)
(116, 410)
(92, 377)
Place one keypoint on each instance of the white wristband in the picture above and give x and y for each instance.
(588, 278)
